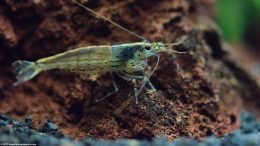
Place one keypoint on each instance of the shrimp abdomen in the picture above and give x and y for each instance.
(78, 59)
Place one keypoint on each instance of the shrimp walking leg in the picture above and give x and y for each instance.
(134, 82)
(110, 93)
(147, 78)
(133, 78)
(140, 78)
(129, 79)
(135, 91)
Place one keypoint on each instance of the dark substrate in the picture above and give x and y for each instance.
(12, 131)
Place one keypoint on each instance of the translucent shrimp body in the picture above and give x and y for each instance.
(93, 60)
(123, 60)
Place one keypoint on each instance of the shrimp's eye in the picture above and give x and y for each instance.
(147, 48)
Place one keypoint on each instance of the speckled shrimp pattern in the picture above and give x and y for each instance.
(92, 60)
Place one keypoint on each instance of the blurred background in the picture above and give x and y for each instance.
(239, 21)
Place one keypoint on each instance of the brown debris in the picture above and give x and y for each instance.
(7, 33)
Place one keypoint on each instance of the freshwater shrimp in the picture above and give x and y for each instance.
(123, 60)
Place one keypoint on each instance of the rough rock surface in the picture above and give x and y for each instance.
(199, 93)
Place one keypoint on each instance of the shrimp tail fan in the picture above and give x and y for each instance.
(24, 70)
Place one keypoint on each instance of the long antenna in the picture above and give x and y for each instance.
(112, 22)
(176, 44)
